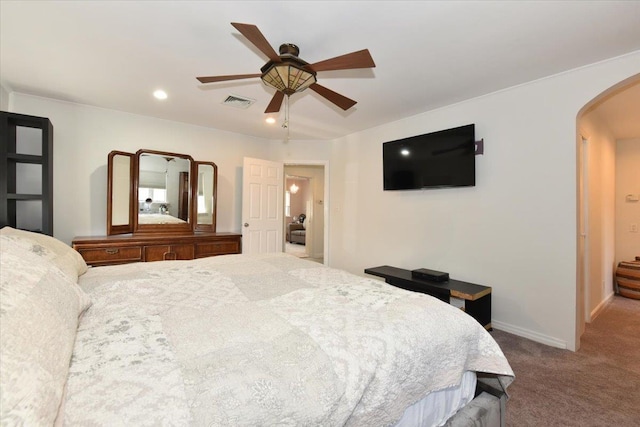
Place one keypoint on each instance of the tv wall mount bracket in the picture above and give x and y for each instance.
(480, 147)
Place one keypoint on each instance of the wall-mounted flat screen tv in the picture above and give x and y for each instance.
(434, 160)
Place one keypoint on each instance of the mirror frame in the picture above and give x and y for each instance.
(205, 227)
(123, 228)
(163, 228)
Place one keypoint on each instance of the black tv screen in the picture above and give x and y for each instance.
(434, 160)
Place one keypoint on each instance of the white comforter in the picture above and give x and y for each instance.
(262, 340)
(158, 218)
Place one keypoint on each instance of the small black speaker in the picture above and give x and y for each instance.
(432, 275)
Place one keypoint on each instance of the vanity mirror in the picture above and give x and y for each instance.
(163, 186)
(207, 180)
(160, 192)
(120, 166)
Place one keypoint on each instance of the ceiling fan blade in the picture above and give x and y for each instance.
(213, 79)
(340, 100)
(359, 59)
(276, 103)
(253, 34)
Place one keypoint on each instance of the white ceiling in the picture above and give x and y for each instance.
(114, 54)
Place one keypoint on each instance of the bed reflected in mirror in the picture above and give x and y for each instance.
(163, 192)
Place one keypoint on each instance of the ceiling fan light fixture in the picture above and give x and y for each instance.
(288, 78)
(289, 74)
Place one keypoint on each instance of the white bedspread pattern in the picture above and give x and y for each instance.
(262, 340)
(158, 218)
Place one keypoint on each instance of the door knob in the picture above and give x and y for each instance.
(246, 224)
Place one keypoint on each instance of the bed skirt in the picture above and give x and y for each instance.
(487, 409)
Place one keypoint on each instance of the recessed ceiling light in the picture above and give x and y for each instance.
(270, 120)
(160, 94)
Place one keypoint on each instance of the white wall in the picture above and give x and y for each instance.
(84, 136)
(307, 152)
(627, 212)
(4, 99)
(601, 148)
(298, 200)
(514, 231)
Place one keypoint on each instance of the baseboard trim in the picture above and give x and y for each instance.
(600, 307)
(526, 333)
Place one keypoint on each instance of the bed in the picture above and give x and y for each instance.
(229, 340)
(158, 218)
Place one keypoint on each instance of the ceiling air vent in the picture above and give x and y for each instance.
(238, 101)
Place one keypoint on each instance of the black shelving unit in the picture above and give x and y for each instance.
(14, 202)
(476, 298)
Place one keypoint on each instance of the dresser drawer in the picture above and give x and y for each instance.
(217, 248)
(168, 252)
(124, 248)
(111, 255)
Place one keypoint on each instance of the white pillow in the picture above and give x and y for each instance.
(39, 310)
(63, 256)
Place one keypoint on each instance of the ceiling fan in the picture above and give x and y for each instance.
(289, 74)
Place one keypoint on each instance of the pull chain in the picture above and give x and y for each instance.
(286, 116)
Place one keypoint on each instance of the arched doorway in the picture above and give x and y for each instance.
(610, 116)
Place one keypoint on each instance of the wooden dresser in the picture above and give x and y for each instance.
(126, 248)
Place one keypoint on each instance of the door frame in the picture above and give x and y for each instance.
(325, 200)
(584, 294)
(582, 238)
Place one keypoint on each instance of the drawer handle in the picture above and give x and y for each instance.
(112, 251)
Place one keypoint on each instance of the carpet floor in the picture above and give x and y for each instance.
(295, 249)
(599, 385)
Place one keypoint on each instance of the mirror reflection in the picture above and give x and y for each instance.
(120, 205)
(120, 190)
(205, 194)
(163, 189)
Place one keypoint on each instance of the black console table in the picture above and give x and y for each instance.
(476, 298)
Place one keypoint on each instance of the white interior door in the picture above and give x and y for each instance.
(262, 206)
